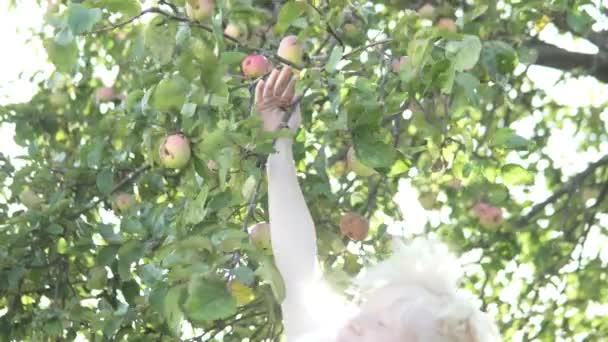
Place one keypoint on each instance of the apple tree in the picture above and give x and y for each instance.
(128, 217)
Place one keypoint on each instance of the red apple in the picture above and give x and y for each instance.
(354, 226)
(175, 151)
(254, 66)
(105, 94)
(447, 24)
(488, 215)
(397, 62)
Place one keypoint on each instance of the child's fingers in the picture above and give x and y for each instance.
(282, 81)
(269, 88)
(259, 92)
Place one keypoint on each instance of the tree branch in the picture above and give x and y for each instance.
(569, 186)
(551, 56)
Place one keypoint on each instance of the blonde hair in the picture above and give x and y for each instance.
(428, 265)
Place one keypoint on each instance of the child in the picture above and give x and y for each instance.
(412, 296)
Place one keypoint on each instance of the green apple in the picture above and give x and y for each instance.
(199, 9)
(259, 234)
(426, 11)
(30, 199)
(356, 166)
(123, 202)
(291, 50)
(233, 30)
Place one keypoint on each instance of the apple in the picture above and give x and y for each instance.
(212, 165)
(488, 215)
(105, 94)
(447, 24)
(30, 199)
(254, 66)
(356, 166)
(291, 50)
(123, 202)
(426, 11)
(175, 151)
(354, 226)
(199, 9)
(350, 29)
(396, 64)
(428, 200)
(59, 98)
(454, 183)
(232, 30)
(259, 234)
(338, 168)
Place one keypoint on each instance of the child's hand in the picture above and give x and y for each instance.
(274, 100)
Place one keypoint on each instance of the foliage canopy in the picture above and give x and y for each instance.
(181, 254)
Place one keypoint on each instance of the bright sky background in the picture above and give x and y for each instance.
(20, 59)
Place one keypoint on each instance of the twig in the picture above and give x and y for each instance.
(123, 23)
(173, 7)
(365, 47)
(330, 29)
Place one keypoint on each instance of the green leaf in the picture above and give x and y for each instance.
(64, 57)
(271, 275)
(81, 19)
(188, 109)
(105, 181)
(334, 58)
(172, 311)
(129, 253)
(244, 274)
(159, 39)
(579, 21)
(126, 7)
(288, 14)
(514, 174)
(507, 138)
(419, 49)
(98, 277)
(170, 94)
(371, 150)
(447, 80)
(208, 300)
(54, 229)
(195, 211)
(469, 84)
(464, 54)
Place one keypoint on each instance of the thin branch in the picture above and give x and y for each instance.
(123, 23)
(365, 47)
(330, 29)
(571, 184)
(119, 185)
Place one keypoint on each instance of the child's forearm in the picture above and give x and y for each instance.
(292, 233)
